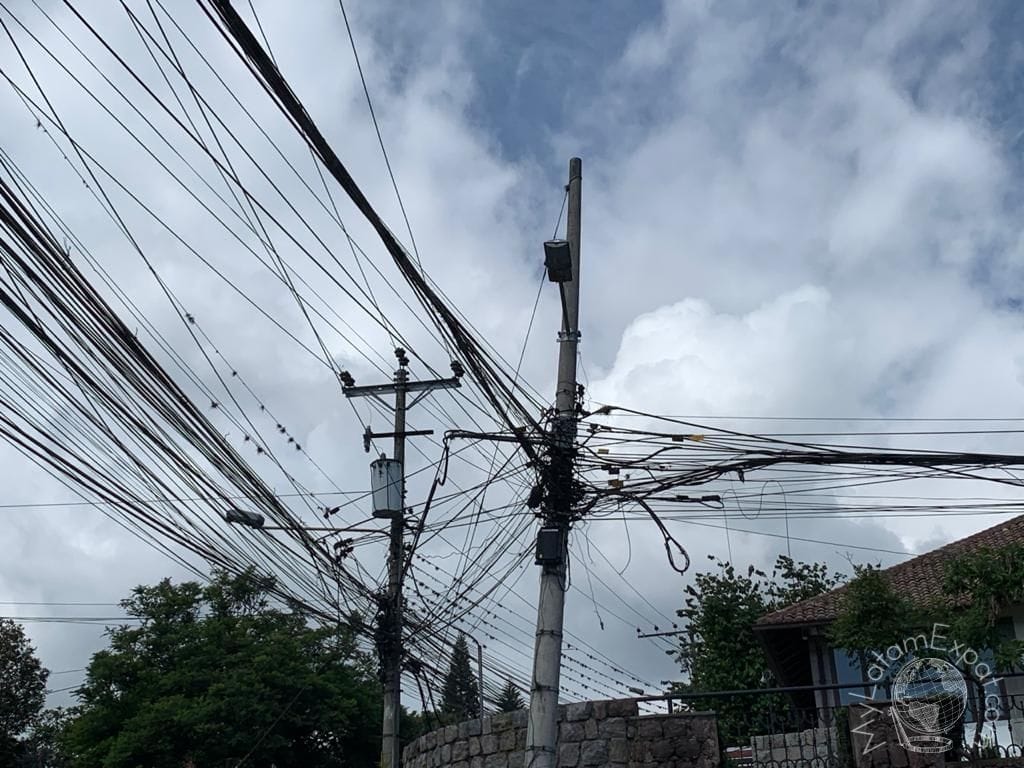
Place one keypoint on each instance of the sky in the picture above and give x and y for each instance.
(789, 210)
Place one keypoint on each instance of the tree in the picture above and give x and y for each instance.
(975, 589)
(214, 675)
(509, 700)
(719, 650)
(22, 687)
(43, 747)
(872, 616)
(978, 587)
(461, 696)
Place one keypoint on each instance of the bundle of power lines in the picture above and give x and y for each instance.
(148, 443)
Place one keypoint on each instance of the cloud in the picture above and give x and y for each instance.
(788, 210)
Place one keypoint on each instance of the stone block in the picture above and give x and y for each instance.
(476, 762)
(572, 732)
(662, 749)
(590, 728)
(639, 751)
(579, 710)
(705, 727)
(618, 750)
(568, 754)
(451, 733)
(516, 759)
(460, 750)
(594, 753)
(521, 739)
(649, 728)
(507, 741)
(429, 740)
(463, 729)
(446, 753)
(489, 744)
(497, 760)
(461, 764)
(473, 727)
(688, 749)
(678, 727)
(612, 728)
(502, 721)
(520, 718)
(474, 746)
(600, 710)
(622, 708)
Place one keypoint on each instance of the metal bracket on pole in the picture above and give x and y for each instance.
(368, 435)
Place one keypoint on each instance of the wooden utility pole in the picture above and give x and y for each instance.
(389, 630)
(552, 541)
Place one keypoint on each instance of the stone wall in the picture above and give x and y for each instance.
(592, 734)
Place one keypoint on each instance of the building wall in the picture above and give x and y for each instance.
(592, 734)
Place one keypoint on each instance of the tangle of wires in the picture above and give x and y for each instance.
(676, 470)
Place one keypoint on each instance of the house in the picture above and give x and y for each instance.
(795, 637)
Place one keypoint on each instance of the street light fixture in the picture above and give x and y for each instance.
(244, 517)
(255, 520)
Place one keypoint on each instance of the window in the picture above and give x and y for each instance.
(848, 671)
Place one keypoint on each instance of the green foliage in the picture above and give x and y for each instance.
(792, 581)
(461, 695)
(509, 700)
(979, 586)
(412, 725)
(214, 674)
(720, 651)
(43, 747)
(873, 616)
(22, 687)
(976, 588)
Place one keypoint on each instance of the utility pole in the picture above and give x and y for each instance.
(389, 630)
(479, 668)
(563, 263)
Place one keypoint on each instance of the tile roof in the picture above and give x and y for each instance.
(918, 579)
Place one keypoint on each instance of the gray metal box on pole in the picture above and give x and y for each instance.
(386, 487)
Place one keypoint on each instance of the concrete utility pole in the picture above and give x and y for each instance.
(552, 541)
(389, 632)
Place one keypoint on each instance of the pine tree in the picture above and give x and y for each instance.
(509, 700)
(461, 696)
